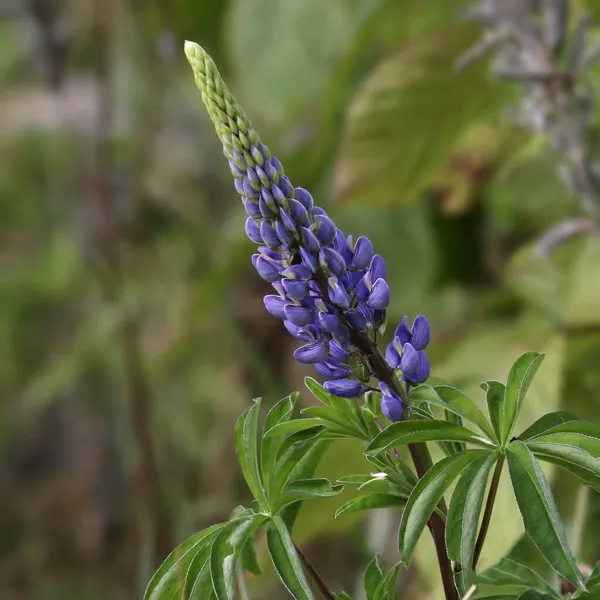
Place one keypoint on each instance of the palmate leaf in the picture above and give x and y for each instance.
(508, 573)
(494, 397)
(455, 401)
(304, 469)
(286, 561)
(169, 579)
(303, 489)
(398, 134)
(373, 577)
(426, 496)
(279, 415)
(246, 445)
(225, 552)
(519, 379)
(370, 502)
(409, 432)
(538, 510)
(463, 514)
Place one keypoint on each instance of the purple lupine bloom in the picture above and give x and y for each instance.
(391, 404)
(329, 290)
(407, 350)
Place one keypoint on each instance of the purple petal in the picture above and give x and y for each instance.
(363, 253)
(268, 199)
(392, 356)
(239, 186)
(269, 235)
(356, 319)
(275, 305)
(252, 208)
(421, 333)
(235, 170)
(317, 210)
(268, 269)
(409, 363)
(311, 353)
(277, 194)
(298, 332)
(337, 351)
(338, 294)
(380, 295)
(298, 212)
(377, 268)
(333, 369)
(309, 240)
(363, 287)
(309, 260)
(296, 290)
(297, 272)
(265, 209)
(402, 332)
(253, 230)
(287, 221)
(325, 229)
(345, 388)
(286, 187)
(298, 315)
(303, 196)
(283, 234)
(392, 408)
(254, 179)
(424, 368)
(328, 322)
(248, 189)
(333, 261)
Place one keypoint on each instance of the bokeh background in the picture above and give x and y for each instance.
(132, 329)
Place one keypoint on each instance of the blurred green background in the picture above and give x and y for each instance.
(132, 329)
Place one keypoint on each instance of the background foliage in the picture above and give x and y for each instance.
(132, 331)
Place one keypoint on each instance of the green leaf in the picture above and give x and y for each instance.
(198, 583)
(280, 414)
(225, 552)
(463, 515)
(334, 421)
(409, 432)
(494, 397)
(370, 502)
(304, 469)
(306, 488)
(547, 423)
(286, 561)
(578, 462)
(538, 510)
(385, 590)
(589, 444)
(246, 440)
(453, 400)
(426, 496)
(292, 427)
(287, 462)
(534, 595)
(167, 582)
(373, 577)
(519, 379)
(509, 573)
(248, 558)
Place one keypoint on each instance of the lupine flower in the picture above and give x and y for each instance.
(391, 404)
(328, 287)
(407, 350)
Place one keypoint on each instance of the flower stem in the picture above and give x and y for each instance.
(489, 507)
(321, 585)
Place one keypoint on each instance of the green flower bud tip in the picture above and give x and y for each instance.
(226, 114)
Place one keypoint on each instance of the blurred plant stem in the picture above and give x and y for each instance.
(151, 519)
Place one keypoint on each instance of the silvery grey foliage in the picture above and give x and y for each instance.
(533, 45)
